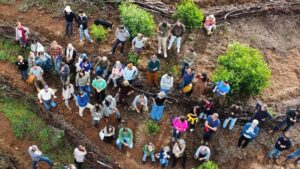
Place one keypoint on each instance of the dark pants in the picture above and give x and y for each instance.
(174, 162)
(24, 74)
(116, 44)
(176, 135)
(100, 96)
(246, 141)
(69, 28)
(207, 135)
(78, 165)
(285, 123)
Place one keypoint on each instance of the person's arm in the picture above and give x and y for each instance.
(120, 136)
(117, 30)
(52, 93)
(17, 34)
(134, 103)
(133, 42)
(40, 96)
(207, 156)
(130, 135)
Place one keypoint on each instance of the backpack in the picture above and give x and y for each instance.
(187, 88)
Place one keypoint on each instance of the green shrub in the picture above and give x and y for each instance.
(6, 52)
(152, 127)
(99, 32)
(133, 58)
(244, 68)
(136, 20)
(189, 13)
(208, 165)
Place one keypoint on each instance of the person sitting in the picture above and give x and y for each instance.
(192, 117)
(22, 67)
(288, 122)
(67, 94)
(117, 73)
(188, 60)
(261, 113)
(232, 116)
(36, 47)
(158, 106)
(179, 126)
(97, 113)
(86, 65)
(206, 107)
(64, 73)
(124, 91)
(166, 82)
(249, 132)
(99, 84)
(83, 102)
(125, 138)
(130, 73)
(110, 107)
(37, 72)
(222, 88)
(164, 156)
(70, 56)
(210, 24)
(140, 104)
(46, 96)
(138, 43)
(102, 66)
(187, 78)
(202, 153)
(178, 152)
(149, 151)
(46, 59)
(107, 134)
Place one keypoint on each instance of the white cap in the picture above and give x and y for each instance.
(68, 9)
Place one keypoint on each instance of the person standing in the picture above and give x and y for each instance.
(166, 82)
(210, 127)
(261, 113)
(153, 68)
(192, 117)
(79, 155)
(179, 126)
(149, 151)
(232, 116)
(46, 96)
(37, 72)
(97, 114)
(22, 34)
(22, 66)
(83, 27)
(283, 143)
(69, 17)
(138, 43)
(99, 84)
(164, 32)
(64, 73)
(202, 153)
(36, 156)
(116, 73)
(125, 138)
(177, 31)
(83, 81)
(83, 102)
(158, 106)
(122, 35)
(288, 122)
(70, 56)
(67, 94)
(178, 152)
(130, 73)
(249, 132)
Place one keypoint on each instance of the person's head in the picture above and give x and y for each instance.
(211, 17)
(34, 148)
(81, 93)
(118, 64)
(189, 70)
(41, 53)
(178, 23)
(161, 95)
(203, 148)
(150, 146)
(81, 147)
(142, 96)
(31, 55)
(125, 83)
(225, 83)
(46, 87)
(33, 41)
(170, 74)
(182, 118)
(70, 46)
(98, 77)
(72, 166)
(109, 98)
(34, 66)
(68, 9)
(62, 63)
(80, 13)
(19, 25)
(81, 73)
(164, 24)
(180, 141)
(20, 58)
(121, 27)
(254, 123)
(129, 66)
(109, 128)
(153, 58)
(204, 76)
(104, 58)
(215, 116)
(264, 107)
(287, 135)
(190, 50)
(166, 149)
(140, 36)
(125, 130)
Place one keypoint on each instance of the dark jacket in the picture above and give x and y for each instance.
(83, 21)
(291, 114)
(152, 66)
(70, 17)
(285, 142)
(65, 71)
(22, 66)
(178, 31)
(234, 111)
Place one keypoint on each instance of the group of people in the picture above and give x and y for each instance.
(70, 65)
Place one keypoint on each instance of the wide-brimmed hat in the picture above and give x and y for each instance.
(161, 94)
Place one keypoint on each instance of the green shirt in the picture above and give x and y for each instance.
(127, 135)
(146, 150)
(164, 30)
(153, 66)
(189, 58)
(99, 84)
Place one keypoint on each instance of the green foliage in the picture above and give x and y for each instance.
(99, 32)
(136, 20)
(152, 127)
(189, 13)
(7, 1)
(244, 68)
(170, 67)
(133, 58)
(6, 52)
(208, 165)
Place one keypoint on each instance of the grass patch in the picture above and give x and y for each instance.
(26, 124)
(9, 55)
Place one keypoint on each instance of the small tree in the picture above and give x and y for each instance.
(136, 20)
(99, 32)
(244, 68)
(189, 13)
(152, 127)
(208, 165)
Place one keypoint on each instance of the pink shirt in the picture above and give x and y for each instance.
(117, 71)
(180, 126)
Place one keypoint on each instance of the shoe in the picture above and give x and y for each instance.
(159, 51)
(165, 55)
(91, 41)
(178, 50)
(191, 130)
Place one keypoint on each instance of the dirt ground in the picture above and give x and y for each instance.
(276, 36)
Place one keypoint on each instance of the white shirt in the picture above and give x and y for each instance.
(249, 130)
(122, 35)
(166, 82)
(79, 155)
(45, 95)
(138, 43)
(67, 94)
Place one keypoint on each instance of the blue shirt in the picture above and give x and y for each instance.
(212, 123)
(222, 88)
(188, 78)
(83, 101)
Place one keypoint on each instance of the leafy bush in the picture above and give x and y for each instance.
(208, 165)
(152, 127)
(136, 20)
(99, 32)
(189, 13)
(133, 58)
(244, 68)
(6, 52)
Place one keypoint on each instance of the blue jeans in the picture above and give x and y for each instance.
(86, 33)
(57, 62)
(183, 67)
(22, 43)
(48, 104)
(274, 153)
(163, 162)
(44, 159)
(165, 90)
(232, 122)
(24, 74)
(285, 123)
(120, 144)
(202, 115)
(156, 112)
(294, 154)
(145, 157)
(87, 89)
(182, 84)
